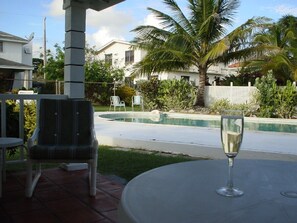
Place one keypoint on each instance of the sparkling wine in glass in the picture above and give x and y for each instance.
(232, 124)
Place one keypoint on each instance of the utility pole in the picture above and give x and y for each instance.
(44, 45)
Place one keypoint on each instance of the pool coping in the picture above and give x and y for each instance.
(193, 141)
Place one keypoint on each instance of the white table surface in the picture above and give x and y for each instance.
(186, 193)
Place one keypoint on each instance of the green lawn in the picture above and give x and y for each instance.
(100, 108)
(123, 163)
(129, 164)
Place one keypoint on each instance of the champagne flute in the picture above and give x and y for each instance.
(232, 124)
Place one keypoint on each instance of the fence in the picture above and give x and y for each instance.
(235, 94)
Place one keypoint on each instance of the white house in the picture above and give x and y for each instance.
(121, 54)
(15, 60)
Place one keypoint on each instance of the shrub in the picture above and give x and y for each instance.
(149, 91)
(285, 101)
(267, 91)
(275, 101)
(12, 119)
(167, 94)
(176, 94)
(12, 114)
(125, 93)
(224, 104)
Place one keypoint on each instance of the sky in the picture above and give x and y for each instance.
(21, 18)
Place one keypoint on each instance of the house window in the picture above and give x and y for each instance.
(129, 56)
(186, 78)
(108, 58)
(1, 46)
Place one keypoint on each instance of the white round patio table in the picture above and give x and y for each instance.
(6, 142)
(186, 193)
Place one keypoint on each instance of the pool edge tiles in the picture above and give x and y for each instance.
(201, 120)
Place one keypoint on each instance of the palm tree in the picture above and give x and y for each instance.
(276, 50)
(196, 39)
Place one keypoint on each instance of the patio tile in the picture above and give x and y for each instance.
(113, 215)
(64, 205)
(51, 194)
(22, 205)
(102, 202)
(43, 216)
(79, 215)
(60, 196)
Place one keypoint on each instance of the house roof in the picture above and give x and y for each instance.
(235, 65)
(8, 64)
(114, 42)
(12, 38)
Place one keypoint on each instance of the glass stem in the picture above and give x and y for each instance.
(230, 177)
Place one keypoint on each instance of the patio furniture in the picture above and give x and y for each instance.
(186, 192)
(137, 100)
(65, 133)
(116, 102)
(6, 143)
(26, 92)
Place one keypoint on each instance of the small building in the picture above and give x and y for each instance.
(15, 62)
(121, 54)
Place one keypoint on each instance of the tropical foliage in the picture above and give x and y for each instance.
(167, 94)
(275, 101)
(218, 106)
(196, 39)
(275, 49)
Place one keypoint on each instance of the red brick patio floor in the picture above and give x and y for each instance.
(60, 196)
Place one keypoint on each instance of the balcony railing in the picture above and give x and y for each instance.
(21, 99)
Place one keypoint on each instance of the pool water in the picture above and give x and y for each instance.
(271, 127)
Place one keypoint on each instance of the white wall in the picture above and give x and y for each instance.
(20, 53)
(235, 94)
(12, 51)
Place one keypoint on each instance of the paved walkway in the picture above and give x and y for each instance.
(194, 141)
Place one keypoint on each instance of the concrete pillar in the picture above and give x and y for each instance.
(75, 27)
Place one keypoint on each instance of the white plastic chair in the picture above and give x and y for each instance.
(137, 100)
(116, 102)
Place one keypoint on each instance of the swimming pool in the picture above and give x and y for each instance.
(208, 121)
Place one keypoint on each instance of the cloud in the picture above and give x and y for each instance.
(102, 26)
(285, 10)
(108, 24)
(152, 20)
(102, 36)
(55, 8)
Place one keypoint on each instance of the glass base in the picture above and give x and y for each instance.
(290, 194)
(229, 192)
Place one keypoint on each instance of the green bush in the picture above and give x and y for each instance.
(275, 101)
(224, 104)
(176, 94)
(30, 119)
(167, 94)
(286, 101)
(12, 119)
(125, 93)
(267, 91)
(149, 91)
(99, 92)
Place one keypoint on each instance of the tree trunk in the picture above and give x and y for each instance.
(201, 87)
